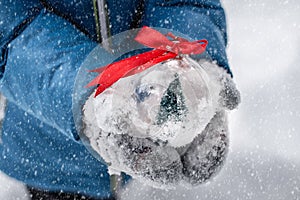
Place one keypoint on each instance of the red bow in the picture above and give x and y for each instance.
(164, 49)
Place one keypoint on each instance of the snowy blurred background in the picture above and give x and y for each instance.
(264, 158)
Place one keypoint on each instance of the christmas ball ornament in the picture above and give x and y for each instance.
(161, 94)
(170, 102)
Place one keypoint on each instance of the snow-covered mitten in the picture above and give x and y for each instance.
(204, 157)
(152, 162)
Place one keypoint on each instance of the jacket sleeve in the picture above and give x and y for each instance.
(41, 66)
(14, 17)
(198, 19)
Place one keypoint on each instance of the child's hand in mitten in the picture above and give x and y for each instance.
(151, 162)
(204, 157)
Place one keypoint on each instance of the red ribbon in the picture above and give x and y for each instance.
(164, 49)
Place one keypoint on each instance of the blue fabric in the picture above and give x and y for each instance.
(122, 14)
(15, 16)
(38, 131)
(41, 52)
(41, 67)
(39, 155)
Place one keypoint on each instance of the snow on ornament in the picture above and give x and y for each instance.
(162, 94)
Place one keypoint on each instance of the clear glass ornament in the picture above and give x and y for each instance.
(170, 102)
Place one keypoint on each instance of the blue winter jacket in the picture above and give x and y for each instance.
(43, 44)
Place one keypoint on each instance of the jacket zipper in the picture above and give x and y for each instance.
(102, 23)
